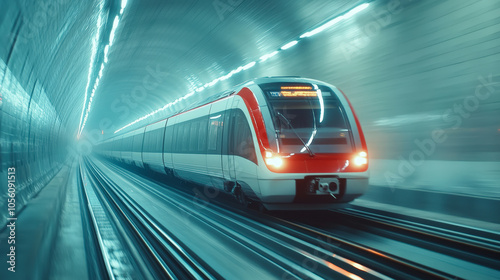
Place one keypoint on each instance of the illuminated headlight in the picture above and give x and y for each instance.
(272, 159)
(361, 159)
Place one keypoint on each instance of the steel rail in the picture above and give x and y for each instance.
(174, 260)
(475, 249)
(386, 264)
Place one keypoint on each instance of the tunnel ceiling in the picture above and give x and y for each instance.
(167, 49)
(162, 50)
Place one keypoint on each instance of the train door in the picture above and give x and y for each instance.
(242, 148)
(228, 171)
(216, 125)
(169, 146)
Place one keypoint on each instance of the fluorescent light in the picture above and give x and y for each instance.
(322, 27)
(124, 4)
(91, 66)
(289, 45)
(113, 30)
(356, 10)
(83, 120)
(237, 70)
(332, 22)
(305, 35)
(249, 65)
(100, 72)
(263, 58)
(267, 56)
(106, 50)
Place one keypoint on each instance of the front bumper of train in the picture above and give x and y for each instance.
(288, 192)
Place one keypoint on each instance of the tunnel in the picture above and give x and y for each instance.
(249, 139)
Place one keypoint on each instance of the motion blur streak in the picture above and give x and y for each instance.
(423, 77)
(263, 58)
(116, 21)
(95, 42)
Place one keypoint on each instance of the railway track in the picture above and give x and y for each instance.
(476, 249)
(287, 247)
(107, 243)
(132, 244)
(276, 250)
(471, 244)
(388, 264)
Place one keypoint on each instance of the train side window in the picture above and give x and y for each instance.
(130, 143)
(220, 129)
(157, 140)
(151, 144)
(193, 141)
(232, 133)
(135, 140)
(127, 145)
(122, 144)
(176, 145)
(180, 134)
(226, 132)
(150, 141)
(212, 132)
(140, 144)
(202, 141)
(243, 142)
(137, 143)
(154, 140)
(146, 139)
(185, 136)
(169, 133)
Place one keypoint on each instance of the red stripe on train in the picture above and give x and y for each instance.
(301, 163)
(256, 116)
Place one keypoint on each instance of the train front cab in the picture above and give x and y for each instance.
(314, 155)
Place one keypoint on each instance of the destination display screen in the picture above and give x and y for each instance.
(297, 91)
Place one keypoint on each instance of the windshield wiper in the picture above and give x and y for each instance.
(296, 134)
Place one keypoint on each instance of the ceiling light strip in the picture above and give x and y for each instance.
(263, 58)
(83, 120)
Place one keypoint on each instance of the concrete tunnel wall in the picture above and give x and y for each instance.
(424, 80)
(404, 64)
(32, 135)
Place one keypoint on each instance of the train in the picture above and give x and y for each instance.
(282, 143)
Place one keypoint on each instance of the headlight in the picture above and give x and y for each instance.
(361, 158)
(273, 159)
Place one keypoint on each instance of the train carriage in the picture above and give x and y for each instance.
(286, 143)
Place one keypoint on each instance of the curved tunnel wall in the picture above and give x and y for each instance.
(423, 77)
(31, 132)
(404, 64)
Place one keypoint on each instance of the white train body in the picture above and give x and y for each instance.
(287, 143)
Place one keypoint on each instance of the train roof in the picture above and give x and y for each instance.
(284, 79)
(220, 95)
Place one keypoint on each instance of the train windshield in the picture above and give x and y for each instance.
(308, 118)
